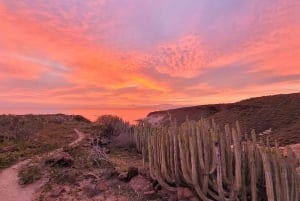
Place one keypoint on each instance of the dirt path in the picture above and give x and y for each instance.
(10, 190)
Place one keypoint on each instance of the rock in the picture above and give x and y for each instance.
(105, 141)
(149, 192)
(91, 176)
(101, 186)
(185, 194)
(106, 150)
(140, 184)
(91, 190)
(156, 186)
(123, 176)
(61, 159)
(67, 189)
(8, 149)
(110, 173)
(132, 172)
(56, 192)
(127, 176)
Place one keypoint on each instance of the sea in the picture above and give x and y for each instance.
(130, 115)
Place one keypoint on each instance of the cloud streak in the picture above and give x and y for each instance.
(141, 54)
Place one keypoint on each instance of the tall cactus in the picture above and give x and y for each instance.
(218, 165)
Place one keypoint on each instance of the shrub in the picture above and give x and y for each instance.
(68, 176)
(110, 125)
(29, 174)
(7, 160)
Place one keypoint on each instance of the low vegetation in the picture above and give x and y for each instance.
(110, 125)
(29, 174)
(23, 136)
(15, 150)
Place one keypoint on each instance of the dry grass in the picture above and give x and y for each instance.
(29, 174)
(123, 159)
(51, 135)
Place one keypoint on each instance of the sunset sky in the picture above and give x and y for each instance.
(135, 56)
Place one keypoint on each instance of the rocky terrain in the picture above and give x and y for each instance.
(106, 166)
(90, 168)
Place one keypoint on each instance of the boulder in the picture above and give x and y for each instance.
(186, 194)
(127, 176)
(141, 185)
(61, 159)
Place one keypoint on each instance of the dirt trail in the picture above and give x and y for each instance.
(10, 190)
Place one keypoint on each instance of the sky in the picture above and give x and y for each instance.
(132, 56)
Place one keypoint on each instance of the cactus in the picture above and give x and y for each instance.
(218, 165)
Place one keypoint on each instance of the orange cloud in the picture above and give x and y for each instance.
(93, 54)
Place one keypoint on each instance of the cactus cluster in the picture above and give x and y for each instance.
(220, 165)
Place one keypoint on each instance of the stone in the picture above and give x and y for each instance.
(110, 173)
(105, 141)
(61, 159)
(101, 186)
(140, 184)
(127, 176)
(56, 192)
(106, 150)
(185, 194)
(132, 172)
(123, 176)
(147, 193)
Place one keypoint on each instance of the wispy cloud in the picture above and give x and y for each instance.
(116, 53)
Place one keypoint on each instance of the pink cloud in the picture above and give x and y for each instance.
(185, 57)
(102, 53)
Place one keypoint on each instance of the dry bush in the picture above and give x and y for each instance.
(29, 174)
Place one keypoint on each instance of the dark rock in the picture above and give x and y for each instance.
(123, 176)
(106, 150)
(91, 190)
(8, 149)
(156, 185)
(127, 176)
(141, 185)
(147, 193)
(56, 192)
(132, 172)
(101, 186)
(110, 173)
(105, 141)
(186, 194)
(61, 159)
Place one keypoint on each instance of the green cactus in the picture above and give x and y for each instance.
(218, 165)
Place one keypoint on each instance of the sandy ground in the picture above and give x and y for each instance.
(10, 190)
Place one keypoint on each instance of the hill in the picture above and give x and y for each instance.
(278, 113)
(23, 136)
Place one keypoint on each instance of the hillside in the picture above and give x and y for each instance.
(23, 136)
(281, 113)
